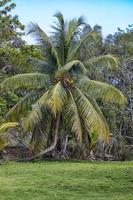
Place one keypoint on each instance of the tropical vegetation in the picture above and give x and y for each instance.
(62, 95)
(72, 88)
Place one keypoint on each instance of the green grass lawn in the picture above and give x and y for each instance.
(66, 181)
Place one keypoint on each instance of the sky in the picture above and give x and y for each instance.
(110, 14)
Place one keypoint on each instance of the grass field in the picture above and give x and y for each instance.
(66, 181)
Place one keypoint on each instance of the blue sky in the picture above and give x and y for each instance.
(110, 14)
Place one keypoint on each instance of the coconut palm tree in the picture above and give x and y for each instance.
(61, 95)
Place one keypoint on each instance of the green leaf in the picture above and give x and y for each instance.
(103, 91)
(23, 105)
(102, 62)
(90, 37)
(74, 30)
(91, 117)
(72, 67)
(29, 81)
(43, 39)
(72, 117)
(59, 36)
(39, 109)
(57, 98)
(105, 132)
(4, 127)
(41, 66)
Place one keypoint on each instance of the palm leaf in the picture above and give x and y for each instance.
(4, 127)
(39, 135)
(57, 98)
(72, 118)
(53, 100)
(74, 30)
(41, 66)
(59, 36)
(44, 40)
(102, 62)
(23, 105)
(73, 67)
(38, 122)
(29, 81)
(105, 131)
(91, 117)
(103, 91)
(36, 115)
(90, 37)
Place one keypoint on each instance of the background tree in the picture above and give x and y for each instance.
(121, 124)
(14, 52)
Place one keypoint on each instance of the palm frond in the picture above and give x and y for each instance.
(39, 135)
(30, 81)
(38, 122)
(72, 118)
(106, 131)
(44, 40)
(74, 30)
(52, 100)
(4, 127)
(23, 105)
(36, 115)
(103, 62)
(41, 131)
(103, 91)
(41, 66)
(73, 67)
(92, 118)
(59, 36)
(90, 38)
(57, 98)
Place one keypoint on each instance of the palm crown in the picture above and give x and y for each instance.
(62, 94)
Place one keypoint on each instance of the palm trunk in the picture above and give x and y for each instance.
(87, 141)
(64, 152)
(52, 147)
